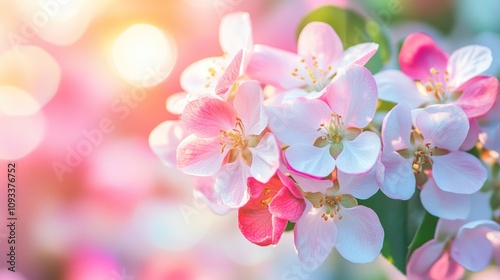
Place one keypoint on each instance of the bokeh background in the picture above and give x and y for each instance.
(93, 201)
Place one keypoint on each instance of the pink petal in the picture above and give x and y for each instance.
(360, 154)
(458, 172)
(443, 204)
(235, 33)
(319, 40)
(471, 248)
(446, 268)
(310, 160)
(472, 136)
(274, 67)
(308, 184)
(290, 184)
(248, 105)
(256, 222)
(255, 187)
(359, 54)
(468, 62)
(314, 237)
(478, 95)
(360, 234)
(444, 126)
(423, 258)
(399, 180)
(207, 117)
(396, 129)
(265, 158)
(353, 95)
(199, 156)
(419, 54)
(164, 140)
(298, 121)
(203, 75)
(231, 184)
(287, 206)
(394, 86)
(360, 186)
(204, 189)
(230, 74)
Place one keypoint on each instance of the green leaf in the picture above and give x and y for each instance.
(353, 29)
(289, 226)
(425, 232)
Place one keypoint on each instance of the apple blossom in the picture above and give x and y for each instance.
(325, 135)
(320, 57)
(229, 142)
(428, 76)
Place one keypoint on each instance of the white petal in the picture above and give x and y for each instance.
(443, 204)
(353, 95)
(396, 129)
(235, 33)
(444, 126)
(314, 237)
(308, 184)
(248, 105)
(319, 40)
(360, 186)
(360, 154)
(298, 121)
(231, 184)
(458, 172)
(310, 160)
(358, 54)
(360, 234)
(198, 78)
(394, 86)
(471, 248)
(399, 180)
(164, 140)
(265, 158)
(468, 62)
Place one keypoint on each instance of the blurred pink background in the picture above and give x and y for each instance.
(92, 200)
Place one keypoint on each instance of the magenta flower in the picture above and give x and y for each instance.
(263, 219)
(411, 155)
(229, 142)
(332, 218)
(429, 77)
(324, 135)
(320, 56)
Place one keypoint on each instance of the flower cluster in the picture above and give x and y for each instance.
(288, 138)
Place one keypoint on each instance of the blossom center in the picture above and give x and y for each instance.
(215, 71)
(437, 84)
(331, 204)
(316, 77)
(237, 143)
(332, 132)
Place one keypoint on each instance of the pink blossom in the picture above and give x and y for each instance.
(333, 219)
(412, 155)
(458, 245)
(264, 218)
(320, 56)
(216, 75)
(229, 141)
(326, 134)
(429, 76)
